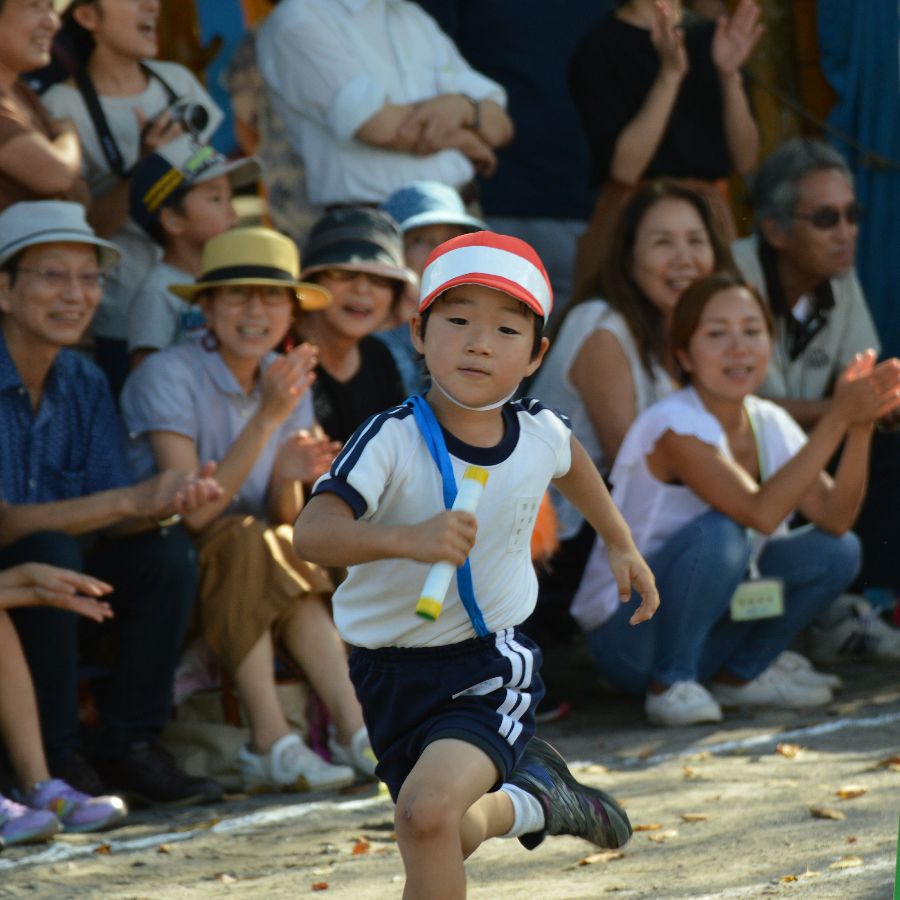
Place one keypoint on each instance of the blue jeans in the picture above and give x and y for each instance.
(697, 570)
(155, 579)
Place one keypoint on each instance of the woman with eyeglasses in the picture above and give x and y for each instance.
(355, 253)
(231, 399)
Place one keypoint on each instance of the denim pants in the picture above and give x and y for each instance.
(155, 579)
(697, 571)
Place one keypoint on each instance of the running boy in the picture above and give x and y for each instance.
(450, 704)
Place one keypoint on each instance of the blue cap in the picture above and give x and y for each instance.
(429, 203)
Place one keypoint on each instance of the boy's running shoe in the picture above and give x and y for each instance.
(569, 806)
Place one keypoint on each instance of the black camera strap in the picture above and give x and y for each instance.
(92, 101)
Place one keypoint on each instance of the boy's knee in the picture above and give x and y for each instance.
(425, 814)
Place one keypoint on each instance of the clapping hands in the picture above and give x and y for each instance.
(305, 456)
(735, 38)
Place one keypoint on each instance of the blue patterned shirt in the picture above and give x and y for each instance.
(72, 446)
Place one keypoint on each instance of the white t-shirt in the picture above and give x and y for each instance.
(191, 391)
(387, 476)
(330, 65)
(157, 318)
(554, 386)
(139, 252)
(655, 510)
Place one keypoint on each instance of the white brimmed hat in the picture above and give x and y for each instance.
(424, 203)
(33, 222)
(496, 261)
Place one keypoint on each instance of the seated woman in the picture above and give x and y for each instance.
(707, 478)
(50, 804)
(357, 255)
(609, 359)
(231, 399)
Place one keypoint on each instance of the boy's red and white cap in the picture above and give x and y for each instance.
(494, 260)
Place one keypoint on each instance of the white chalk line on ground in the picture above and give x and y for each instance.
(763, 739)
(62, 852)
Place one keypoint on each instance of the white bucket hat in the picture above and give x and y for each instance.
(33, 222)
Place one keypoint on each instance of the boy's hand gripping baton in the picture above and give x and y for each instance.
(435, 588)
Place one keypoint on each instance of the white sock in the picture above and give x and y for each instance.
(528, 814)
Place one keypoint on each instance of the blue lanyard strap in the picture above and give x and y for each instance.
(434, 440)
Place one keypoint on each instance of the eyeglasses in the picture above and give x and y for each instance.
(59, 279)
(345, 275)
(827, 217)
(238, 296)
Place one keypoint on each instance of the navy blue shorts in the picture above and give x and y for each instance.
(483, 691)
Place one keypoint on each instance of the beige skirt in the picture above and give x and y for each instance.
(251, 581)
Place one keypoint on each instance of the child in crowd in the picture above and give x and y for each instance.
(450, 704)
(125, 105)
(181, 196)
(428, 213)
(49, 804)
(232, 399)
(357, 255)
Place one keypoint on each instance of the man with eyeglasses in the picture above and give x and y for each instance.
(801, 259)
(67, 498)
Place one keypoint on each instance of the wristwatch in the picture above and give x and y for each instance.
(169, 521)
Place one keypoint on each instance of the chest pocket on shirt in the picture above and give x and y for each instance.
(525, 512)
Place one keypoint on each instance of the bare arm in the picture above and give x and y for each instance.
(584, 488)
(37, 584)
(805, 412)
(302, 459)
(602, 375)
(639, 140)
(733, 42)
(47, 167)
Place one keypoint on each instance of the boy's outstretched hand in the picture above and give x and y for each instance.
(632, 572)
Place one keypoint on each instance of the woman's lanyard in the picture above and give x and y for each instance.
(434, 440)
(759, 541)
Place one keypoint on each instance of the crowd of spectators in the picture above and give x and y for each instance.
(172, 381)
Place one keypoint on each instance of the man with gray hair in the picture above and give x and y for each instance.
(801, 259)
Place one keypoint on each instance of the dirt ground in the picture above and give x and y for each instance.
(770, 804)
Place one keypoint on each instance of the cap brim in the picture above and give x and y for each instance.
(240, 172)
(109, 253)
(497, 282)
(310, 296)
(439, 217)
(388, 270)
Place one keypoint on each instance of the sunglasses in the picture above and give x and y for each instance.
(827, 217)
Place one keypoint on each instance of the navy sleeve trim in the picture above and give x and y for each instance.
(348, 494)
(353, 449)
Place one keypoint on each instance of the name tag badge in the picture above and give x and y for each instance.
(760, 598)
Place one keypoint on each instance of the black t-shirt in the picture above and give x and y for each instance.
(612, 72)
(342, 406)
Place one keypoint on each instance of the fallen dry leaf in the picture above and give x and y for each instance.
(103, 850)
(892, 763)
(852, 839)
(319, 885)
(694, 817)
(163, 848)
(789, 751)
(846, 862)
(225, 878)
(645, 754)
(688, 772)
(604, 856)
(655, 826)
(787, 879)
(361, 846)
(823, 812)
(662, 836)
(851, 791)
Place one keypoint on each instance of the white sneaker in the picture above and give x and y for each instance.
(683, 703)
(798, 668)
(290, 766)
(852, 629)
(771, 688)
(357, 754)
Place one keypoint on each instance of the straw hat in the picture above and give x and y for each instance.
(253, 256)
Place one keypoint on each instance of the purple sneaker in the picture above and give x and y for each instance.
(79, 813)
(21, 825)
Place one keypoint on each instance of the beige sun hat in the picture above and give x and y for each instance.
(257, 256)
